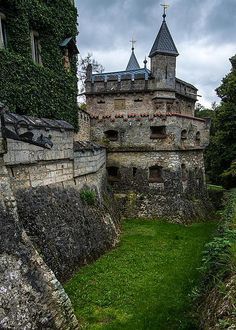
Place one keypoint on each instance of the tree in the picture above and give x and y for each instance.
(222, 149)
(83, 64)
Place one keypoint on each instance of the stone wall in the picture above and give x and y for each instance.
(111, 106)
(65, 230)
(84, 126)
(134, 132)
(67, 163)
(178, 194)
(31, 296)
(48, 225)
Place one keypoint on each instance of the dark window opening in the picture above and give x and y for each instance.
(184, 134)
(134, 171)
(155, 174)
(113, 174)
(184, 172)
(111, 135)
(138, 100)
(166, 71)
(158, 132)
(198, 136)
(101, 102)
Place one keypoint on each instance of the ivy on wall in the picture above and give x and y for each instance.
(28, 88)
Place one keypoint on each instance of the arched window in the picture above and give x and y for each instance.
(155, 174)
(184, 134)
(184, 173)
(111, 135)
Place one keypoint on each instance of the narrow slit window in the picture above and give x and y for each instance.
(3, 31)
(184, 172)
(158, 132)
(184, 134)
(198, 136)
(36, 47)
(155, 174)
(134, 171)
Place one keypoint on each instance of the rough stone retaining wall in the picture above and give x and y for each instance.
(31, 296)
(48, 225)
(67, 232)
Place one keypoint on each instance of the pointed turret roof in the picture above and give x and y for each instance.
(164, 43)
(133, 62)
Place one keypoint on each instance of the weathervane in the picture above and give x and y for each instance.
(133, 42)
(165, 7)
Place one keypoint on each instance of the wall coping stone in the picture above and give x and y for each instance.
(86, 145)
(33, 122)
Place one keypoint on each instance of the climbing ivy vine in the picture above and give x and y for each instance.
(39, 90)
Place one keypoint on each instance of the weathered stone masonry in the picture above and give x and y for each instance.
(47, 216)
(155, 145)
(31, 296)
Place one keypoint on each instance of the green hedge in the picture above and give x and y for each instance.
(43, 91)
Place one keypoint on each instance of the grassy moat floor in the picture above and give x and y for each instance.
(145, 282)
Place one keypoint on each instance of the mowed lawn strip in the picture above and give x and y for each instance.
(145, 282)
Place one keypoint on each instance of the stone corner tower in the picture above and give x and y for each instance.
(163, 58)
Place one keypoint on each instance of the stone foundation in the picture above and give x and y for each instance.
(178, 194)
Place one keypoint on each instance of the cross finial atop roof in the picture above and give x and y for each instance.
(133, 42)
(165, 7)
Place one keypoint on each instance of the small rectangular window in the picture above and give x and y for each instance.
(111, 135)
(3, 31)
(155, 174)
(119, 104)
(36, 47)
(113, 174)
(158, 132)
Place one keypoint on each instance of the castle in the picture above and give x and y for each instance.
(153, 157)
(154, 143)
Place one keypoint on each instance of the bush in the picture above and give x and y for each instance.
(217, 262)
(216, 194)
(89, 196)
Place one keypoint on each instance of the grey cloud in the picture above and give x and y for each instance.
(106, 27)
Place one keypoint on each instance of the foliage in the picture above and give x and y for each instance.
(28, 88)
(89, 196)
(145, 282)
(222, 149)
(83, 64)
(219, 257)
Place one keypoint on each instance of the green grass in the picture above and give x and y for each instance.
(146, 282)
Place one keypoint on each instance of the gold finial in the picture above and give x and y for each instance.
(133, 42)
(165, 7)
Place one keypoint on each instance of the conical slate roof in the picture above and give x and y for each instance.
(164, 43)
(133, 63)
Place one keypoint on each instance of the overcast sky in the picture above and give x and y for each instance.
(204, 32)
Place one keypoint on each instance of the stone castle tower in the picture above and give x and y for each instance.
(154, 143)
